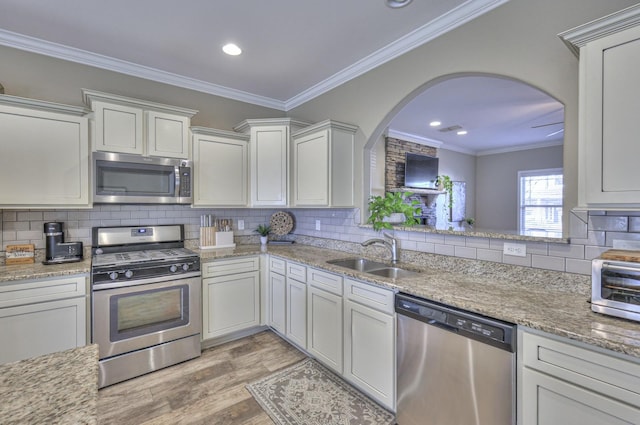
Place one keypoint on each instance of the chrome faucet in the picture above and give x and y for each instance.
(391, 244)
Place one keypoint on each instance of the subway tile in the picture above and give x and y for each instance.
(578, 266)
(425, 247)
(548, 263)
(29, 234)
(489, 255)
(517, 261)
(8, 236)
(593, 238)
(577, 227)
(478, 242)
(591, 252)
(16, 225)
(55, 216)
(30, 215)
(612, 237)
(537, 248)
(434, 238)
(444, 249)
(566, 250)
(609, 223)
(581, 215)
(455, 240)
(465, 252)
(634, 224)
(404, 244)
(9, 216)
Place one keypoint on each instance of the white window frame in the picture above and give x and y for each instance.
(531, 173)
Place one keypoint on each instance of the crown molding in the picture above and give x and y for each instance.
(464, 13)
(414, 138)
(42, 105)
(517, 148)
(579, 36)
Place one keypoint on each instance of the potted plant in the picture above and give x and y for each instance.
(469, 221)
(381, 208)
(445, 183)
(263, 230)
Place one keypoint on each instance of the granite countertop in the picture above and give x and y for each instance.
(552, 302)
(58, 388)
(41, 271)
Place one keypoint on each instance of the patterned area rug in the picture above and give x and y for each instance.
(309, 394)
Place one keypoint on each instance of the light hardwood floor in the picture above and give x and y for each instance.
(207, 390)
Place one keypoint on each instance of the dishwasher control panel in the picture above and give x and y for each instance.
(470, 325)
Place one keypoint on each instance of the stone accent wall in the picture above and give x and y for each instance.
(395, 157)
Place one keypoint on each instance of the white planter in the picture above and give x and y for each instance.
(395, 218)
(263, 239)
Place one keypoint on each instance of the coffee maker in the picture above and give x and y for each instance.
(57, 250)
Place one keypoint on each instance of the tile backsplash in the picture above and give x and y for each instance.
(590, 233)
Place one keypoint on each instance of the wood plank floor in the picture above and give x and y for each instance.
(207, 390)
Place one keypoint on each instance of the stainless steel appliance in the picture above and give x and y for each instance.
(56, 249)
(146, 300)
(615, 288)
(134, 179)
(454, 367)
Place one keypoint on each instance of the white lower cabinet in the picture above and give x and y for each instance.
(296, 329)
(369, 340)
(230, 296)
(562, 383)
(277, 304)
(324, 318)
(42, 316)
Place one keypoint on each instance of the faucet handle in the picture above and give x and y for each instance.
(388, 235)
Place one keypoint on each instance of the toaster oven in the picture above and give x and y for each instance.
(615, 288)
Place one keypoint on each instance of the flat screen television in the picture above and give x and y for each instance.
(420, 171)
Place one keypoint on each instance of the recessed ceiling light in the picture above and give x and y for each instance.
(435, 123)
(461, 132)
(395, 4)
(231, 49)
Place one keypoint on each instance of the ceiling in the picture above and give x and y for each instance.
(293, 51)
(499, 115)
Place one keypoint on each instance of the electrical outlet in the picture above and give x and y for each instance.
(240, 224)
(317, 224)
(515, 249)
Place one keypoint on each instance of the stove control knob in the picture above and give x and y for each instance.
(173, 268)
(113, 275)
(185, 267)
(128, 274)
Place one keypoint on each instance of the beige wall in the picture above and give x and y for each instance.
(518, 40)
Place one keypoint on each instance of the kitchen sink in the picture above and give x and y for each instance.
(373, 267)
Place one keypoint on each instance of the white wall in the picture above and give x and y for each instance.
(460, 167)
(497, 184)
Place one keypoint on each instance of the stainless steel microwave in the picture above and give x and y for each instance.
(615, 288)
(134, 179)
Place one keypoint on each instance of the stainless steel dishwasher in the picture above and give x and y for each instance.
(454, 367)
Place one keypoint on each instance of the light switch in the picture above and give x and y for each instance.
(317, 224)
(240, 224)
(515, 249)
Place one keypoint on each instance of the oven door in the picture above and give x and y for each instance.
(134, 317)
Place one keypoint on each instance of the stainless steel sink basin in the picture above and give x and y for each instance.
(359, 264)
(373, 267)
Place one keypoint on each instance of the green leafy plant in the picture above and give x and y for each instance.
(263, 229)
(447, 184)
(470, 221)
(381, 207)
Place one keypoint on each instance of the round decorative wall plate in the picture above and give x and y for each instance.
(281, 223)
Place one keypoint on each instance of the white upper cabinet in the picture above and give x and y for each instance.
(609, 51)
(44, 154)
(323, 165)
(220, 162)
(126, 125)
(269, 159)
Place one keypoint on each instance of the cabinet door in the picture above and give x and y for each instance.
(36, 329)
(220, 171)
(610, 99)
(369, 360)
(277, 297)
(550, 401)
(297, 312)
(118, 128)
(230, 303)
(269, 165)
(44, 159)
(311, 169)
(324, 327)
(168, 135)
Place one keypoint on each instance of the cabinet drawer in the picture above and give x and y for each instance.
(372, 296)
(326, 281)
(297, 272)
(231, 266)
(277, 265)
(41, 290)
(615, 377)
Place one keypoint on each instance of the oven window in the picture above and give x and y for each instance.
(145, 312)
(122, 179)
(621, 286)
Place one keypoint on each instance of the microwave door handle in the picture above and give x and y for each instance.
(176, 171)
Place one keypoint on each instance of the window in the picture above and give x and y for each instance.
(540, 202)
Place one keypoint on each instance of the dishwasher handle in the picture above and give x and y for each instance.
(484, 329)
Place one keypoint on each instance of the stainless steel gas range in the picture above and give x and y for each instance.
(146, 300)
